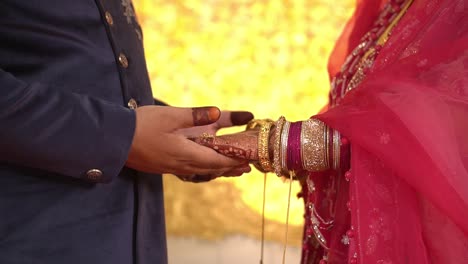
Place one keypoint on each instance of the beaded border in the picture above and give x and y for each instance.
(284, 147)
(314, 151)
(277, 147)
(263, 140)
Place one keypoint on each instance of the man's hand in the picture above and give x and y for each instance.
(157, 147)
(227, 119)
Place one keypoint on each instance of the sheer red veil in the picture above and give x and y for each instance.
(408, 128)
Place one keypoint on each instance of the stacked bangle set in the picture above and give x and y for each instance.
(298, 146)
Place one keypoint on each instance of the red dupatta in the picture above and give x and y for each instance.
(408, 127)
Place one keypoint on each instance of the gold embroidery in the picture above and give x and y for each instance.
(138, 32)
(263, 144)
(313, 148)
(354, 69)
(129, 11)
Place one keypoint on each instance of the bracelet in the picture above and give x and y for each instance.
(277, 147)
(263, 140)
(327, 145)
(309, 145)
(284, 148)
(314, 151)
(294, 147)
(257, 123)
(336, 149)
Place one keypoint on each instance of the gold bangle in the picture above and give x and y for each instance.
(277, 146)
(257, 123)
(263, 140)
(336, 149)
(326, 134)
(314, 146)
(284, 147)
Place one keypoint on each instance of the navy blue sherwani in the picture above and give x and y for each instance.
(71, 73)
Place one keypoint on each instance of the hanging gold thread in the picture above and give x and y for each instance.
(263, 218)
(291, 176)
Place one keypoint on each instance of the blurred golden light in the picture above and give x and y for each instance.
(265, 56)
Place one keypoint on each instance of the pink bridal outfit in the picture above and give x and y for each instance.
(384, 170)
(400, 195)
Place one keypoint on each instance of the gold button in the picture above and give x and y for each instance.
(123, 60)
(109, 18)
(94, 174)
(132, 104)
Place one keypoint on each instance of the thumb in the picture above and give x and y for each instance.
(196, 116)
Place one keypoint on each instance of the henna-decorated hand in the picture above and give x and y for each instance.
(243, 145)
(227, 119)
(157, 147)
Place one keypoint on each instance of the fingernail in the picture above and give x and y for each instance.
(241, 117)
(205, 115)
(214, 113)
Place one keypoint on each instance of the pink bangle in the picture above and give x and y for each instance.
(294, 147)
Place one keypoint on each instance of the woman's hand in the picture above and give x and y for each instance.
(159, 147)
(242, 145)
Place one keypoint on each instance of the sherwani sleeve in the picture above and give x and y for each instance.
(62, 132)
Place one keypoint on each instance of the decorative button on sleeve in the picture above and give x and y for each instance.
(94, 174)
(123, 60)
(109, 18)
(132, 104)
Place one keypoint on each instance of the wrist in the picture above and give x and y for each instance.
(304, 146)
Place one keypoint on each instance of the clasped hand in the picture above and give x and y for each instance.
(161, 144)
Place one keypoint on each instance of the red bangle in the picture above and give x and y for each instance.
(294, 147)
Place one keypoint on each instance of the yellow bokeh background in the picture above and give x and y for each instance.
(265, 56)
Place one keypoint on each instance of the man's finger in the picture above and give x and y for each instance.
(201, 178)
(239, 118)
(178, 117)
(237, 171)
(234, 118)
(205, 115)
(231, 173)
